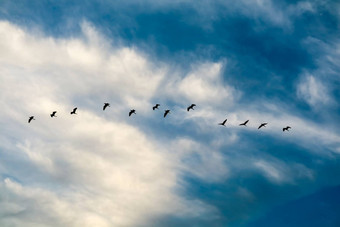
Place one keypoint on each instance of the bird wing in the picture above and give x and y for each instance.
(75, 109)
(191, 107)
(166, 113)
(244, 123)
(263, 124)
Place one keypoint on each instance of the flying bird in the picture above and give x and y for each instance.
(155, 107)
(30, 119)
(223, 123)
(262, 125)
(53, 114)
(286, 128)
(191, 107)
(132, 112)
(105, 105)
(244, 123)
(166, 112)
(74, 110)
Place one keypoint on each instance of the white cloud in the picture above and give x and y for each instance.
(203, 85)
(102, 165)
(313, 91)
(95, 168)
(280, 172)
(200, 161)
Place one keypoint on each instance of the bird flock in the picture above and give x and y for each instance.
(166, 112)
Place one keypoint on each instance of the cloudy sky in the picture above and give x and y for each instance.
(262, 60)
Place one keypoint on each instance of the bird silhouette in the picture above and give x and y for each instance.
(74, 110)
(166, 112)
(132, 112)
(223, 123)
(30, 119)
(244, 123)
(53, 114)
(191, 107)
(155, 107)
(262, 125)
(286, 128)
(105, 105)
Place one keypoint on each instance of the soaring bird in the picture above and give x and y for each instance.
(191, 107)
(74, 110)
(30, 119)
(262, 125)
(105, 105)
(244, 123)
(53, 114)
(223, 123)
(155, 107)
(166, 112)
(286, 128)
(131, 112)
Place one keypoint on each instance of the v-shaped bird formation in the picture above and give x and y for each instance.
(166, 112)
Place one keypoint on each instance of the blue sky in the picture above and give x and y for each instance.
(265, 60)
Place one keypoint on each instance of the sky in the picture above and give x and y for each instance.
(264, 61)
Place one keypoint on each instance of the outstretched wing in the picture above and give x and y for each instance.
(105, 105)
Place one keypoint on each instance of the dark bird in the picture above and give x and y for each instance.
(191, 107)
(30, 119)
(74, 110)
(132, 112)
(155, 107)
(223, 123)
(53, 114)
(262, 125)
(286, 128)
(244, 123)
(105, 105)
(166, 112)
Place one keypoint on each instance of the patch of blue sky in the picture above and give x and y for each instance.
(318, 209)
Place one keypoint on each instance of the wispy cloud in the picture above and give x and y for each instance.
(105, 168)
(312, 91)
(120, 171)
